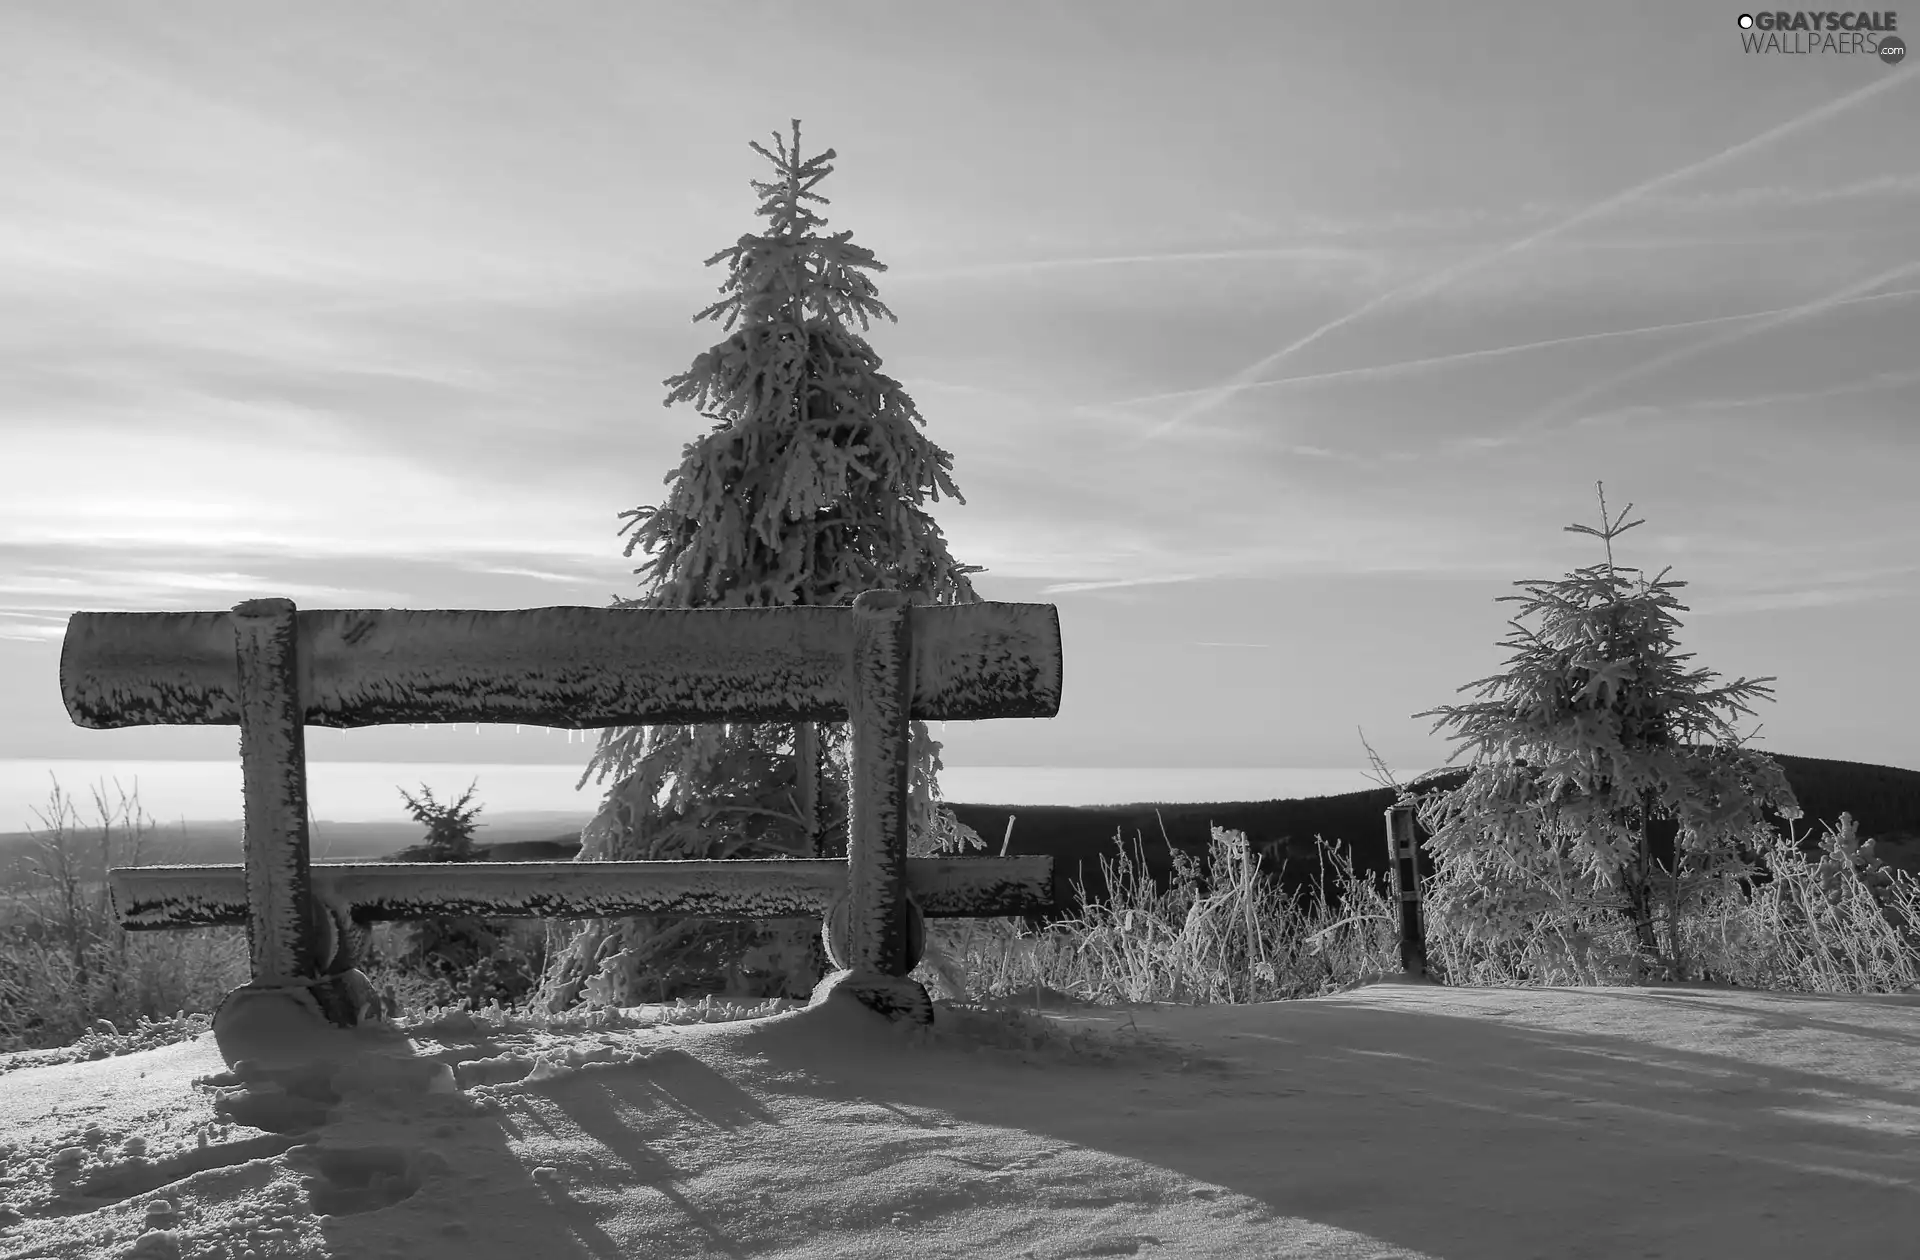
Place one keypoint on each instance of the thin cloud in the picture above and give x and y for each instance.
(1866, 385)
(122, 587)
(33, 626)
(1723, 201)
(1431, 284)
(1321, 452)
(1789, 195)
(1788, 601)
(1805, 310)
(539, 575)
(1466, 356)
(418, 545)
(1315, 255)
(1724, 240)
(928, 385)
(1069, 588)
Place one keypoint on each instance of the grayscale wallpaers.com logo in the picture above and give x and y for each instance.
(1795, 34)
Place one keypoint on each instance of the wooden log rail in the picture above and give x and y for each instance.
(274, 670)
(157, 898)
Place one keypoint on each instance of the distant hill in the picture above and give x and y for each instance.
(209, 842)
(1885, 801)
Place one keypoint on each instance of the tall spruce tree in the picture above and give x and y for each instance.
(1586, 746)
(807, 490)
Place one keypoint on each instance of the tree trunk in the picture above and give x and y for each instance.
(806, 746)
(813, 963)
(1636, 881)
(1676, 960)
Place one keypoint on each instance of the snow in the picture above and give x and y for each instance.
(1393, 1120)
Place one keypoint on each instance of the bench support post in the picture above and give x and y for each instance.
(875, 934)
(292, 942)
(273, 768)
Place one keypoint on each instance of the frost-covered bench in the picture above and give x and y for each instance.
(273, 671)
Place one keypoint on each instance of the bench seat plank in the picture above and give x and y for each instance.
(149, 898)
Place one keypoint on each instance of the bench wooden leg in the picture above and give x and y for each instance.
(875, 950)
(303, 979)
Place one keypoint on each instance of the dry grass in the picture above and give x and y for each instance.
(1813, 925)
(65, 963)
(1223, 934)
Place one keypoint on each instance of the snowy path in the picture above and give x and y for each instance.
(1392, 1121)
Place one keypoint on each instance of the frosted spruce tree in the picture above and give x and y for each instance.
(807, 490)
(468, 959)
(1587, 744)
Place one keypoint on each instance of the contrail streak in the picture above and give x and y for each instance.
(1430, 284)
(1322, 254)
(1819, 306)
(1490, 352)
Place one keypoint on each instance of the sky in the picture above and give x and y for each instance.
(1273, 342)
(1585, 1123)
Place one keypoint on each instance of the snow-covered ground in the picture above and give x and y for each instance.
(1395, 1120)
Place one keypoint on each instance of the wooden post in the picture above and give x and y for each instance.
(874, 934)
(1403, 856)
(273, 764)
(297, 993)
